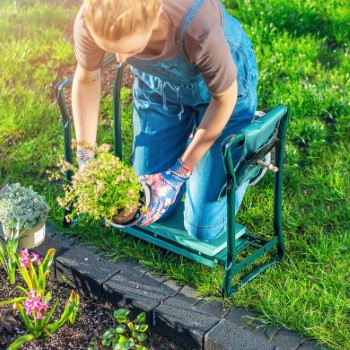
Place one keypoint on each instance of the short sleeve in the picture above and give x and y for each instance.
(211, 54)
(88, 54)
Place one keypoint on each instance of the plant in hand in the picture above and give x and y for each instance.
(103, 188)
(19, 204)
(127, 333)
(34, 306)
(8, 255)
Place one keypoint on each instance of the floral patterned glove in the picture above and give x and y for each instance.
(84, 156)
(164, 188)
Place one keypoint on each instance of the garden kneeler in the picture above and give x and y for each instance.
(257, 140)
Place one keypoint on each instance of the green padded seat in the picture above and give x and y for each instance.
(171, 234)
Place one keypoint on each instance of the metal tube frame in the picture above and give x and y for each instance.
(232, 267)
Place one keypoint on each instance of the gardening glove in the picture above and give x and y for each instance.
(84, 156)
(164, 187)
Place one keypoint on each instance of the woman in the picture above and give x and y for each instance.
(195, 74)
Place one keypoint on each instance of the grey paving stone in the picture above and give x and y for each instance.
(270, 332)
(243, 318)
(311, 345)
(88, 247)
(214, 308)
(48, 243)
(65, 239)
(287, 340)
(50, 229)
(86, 271)
(155, 277)
(188, 295)
(228, 336)
(134, 293)
(131, 266)
(170, 287)
(258, 328)
(140, 275)
(181, 321)
(239, 316)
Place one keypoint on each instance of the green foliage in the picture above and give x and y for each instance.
(93, 344)
(128, 333)
(32, 50)
(8, 256)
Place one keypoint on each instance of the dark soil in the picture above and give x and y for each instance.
(94, 318)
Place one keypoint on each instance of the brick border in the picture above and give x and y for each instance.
(173, 311)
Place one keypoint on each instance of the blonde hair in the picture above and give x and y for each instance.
(114, 19)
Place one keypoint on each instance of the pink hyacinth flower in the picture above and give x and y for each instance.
(24, 258)
(33, 304)
(35, 258)
(31, 294)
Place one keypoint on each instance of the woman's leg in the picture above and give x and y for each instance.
(160, 136)
(205, 215)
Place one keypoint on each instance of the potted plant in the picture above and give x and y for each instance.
(24, 208)
(105, 188)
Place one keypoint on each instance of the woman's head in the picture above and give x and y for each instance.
(112, 20)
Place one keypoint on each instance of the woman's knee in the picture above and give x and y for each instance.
(205, 233)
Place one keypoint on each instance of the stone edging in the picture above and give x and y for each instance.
(173, 311)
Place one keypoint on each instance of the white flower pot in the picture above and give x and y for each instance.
(29, 238)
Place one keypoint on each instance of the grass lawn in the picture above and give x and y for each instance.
(303, 57)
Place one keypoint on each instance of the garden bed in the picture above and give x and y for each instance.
(94, 318)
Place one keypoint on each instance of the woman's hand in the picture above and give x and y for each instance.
(84, 156)
(164, 187)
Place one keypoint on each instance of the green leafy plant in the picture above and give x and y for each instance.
(104, 187)
(21, 205)
(34, 306)
(8, 255)
(93, 344)
(127, 333)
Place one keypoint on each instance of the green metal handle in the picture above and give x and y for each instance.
(117, 111)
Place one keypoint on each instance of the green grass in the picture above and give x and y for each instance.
(303, 56)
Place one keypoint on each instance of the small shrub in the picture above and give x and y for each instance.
(23, 206)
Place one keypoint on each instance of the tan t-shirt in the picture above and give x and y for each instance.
(204, 43)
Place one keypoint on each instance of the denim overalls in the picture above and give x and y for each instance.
(170, 98)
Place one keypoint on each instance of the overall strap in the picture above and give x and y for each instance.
(187, 20)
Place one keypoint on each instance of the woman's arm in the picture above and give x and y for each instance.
(86, 93)
(214, 120)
